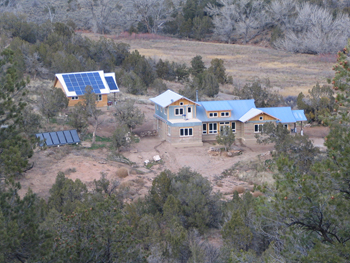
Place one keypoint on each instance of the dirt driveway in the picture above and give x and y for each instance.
(87, 165)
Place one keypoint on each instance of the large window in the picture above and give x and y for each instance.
(213, 114)
(258, 128)
(179, 111)
(186, 132)
(233, 126)
(213, 128)
(204, 128)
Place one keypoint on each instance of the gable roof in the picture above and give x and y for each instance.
(74, 83)
(299, 115)
(168, 97)
(250, 114)
(284, 114)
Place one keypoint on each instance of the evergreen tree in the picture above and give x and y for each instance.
(15, 145)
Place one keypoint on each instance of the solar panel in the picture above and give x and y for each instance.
(61, 137)
(111, 83)
(54, 138)
(58, 138)
(78, 81)
(47, 138)
(41, 137)
(68, 136)
(75, 136)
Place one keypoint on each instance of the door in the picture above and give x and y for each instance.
(189, 112)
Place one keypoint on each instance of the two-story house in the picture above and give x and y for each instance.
(181, 121)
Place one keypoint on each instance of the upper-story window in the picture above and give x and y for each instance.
(213, 114)
(181, 103)
(179, 111)
(225, 114)
(261, 118)
(99, 97)
(75, 98)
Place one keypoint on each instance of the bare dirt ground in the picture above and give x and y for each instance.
(78, 162)
(289, 73)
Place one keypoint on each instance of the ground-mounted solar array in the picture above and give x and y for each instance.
(58, 138)
(112, 84)
(77, 82)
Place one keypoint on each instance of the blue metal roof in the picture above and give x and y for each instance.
(299, 115)
(167, 98)
(283, 113)
(237, 107)
(216, 105)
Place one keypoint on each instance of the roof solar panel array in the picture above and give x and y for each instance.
(111, 83)
(77, 82)
(58, 138)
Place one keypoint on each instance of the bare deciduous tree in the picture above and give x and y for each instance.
(244, 18)
(315, 30)
(152, 13)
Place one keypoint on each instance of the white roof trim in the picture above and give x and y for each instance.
(250, 114)
(73, 94)
(112, 74)
(168, 97)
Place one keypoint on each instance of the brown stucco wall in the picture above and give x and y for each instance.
(175, 138)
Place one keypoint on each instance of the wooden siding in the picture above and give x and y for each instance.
(71, 103)
(185, 102)
(219, 114)
(265, 118)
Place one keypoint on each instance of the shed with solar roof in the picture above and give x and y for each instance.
(73, 84)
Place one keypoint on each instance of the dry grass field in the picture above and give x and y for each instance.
(289, 73)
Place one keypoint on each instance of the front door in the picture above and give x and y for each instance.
(189, 112)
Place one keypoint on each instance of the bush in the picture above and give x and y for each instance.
(190, 195)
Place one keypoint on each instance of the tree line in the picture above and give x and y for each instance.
(303, 26)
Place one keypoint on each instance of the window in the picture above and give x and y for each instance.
(213, 128)
(261, 118)
(181, 103)
(213, 114)
(225, 114)
(169, 130)
(99, 97)
(204, 128)
(285, 126)
(258, 128)
(179, 111)
(186, 132)
(75, 98)
(233, 126)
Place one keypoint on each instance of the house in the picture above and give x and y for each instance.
(181, 121)
(74, 84)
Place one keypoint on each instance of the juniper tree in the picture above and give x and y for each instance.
(15, 146)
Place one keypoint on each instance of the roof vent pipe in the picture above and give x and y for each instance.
(196, 95)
